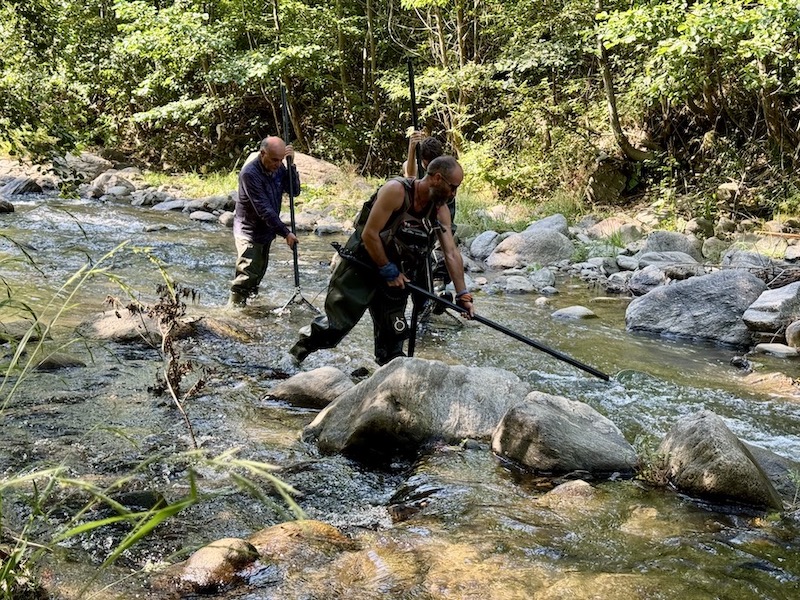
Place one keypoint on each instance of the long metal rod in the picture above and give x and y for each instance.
(414, 122)
(501, 328)
(297, 298)
(285, 110)
(412, 340)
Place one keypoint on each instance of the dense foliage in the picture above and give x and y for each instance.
(523, 90)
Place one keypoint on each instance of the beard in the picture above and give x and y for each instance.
(438, 198)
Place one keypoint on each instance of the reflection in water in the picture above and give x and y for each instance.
(479, 528)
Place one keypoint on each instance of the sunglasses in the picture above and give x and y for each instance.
(453, 188)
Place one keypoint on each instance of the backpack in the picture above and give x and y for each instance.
(407, 238)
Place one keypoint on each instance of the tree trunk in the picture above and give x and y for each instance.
(276, 19)
(461, 34)
(476, 56)
(611, 100)
(298, 132)
(441, 38)
(372, 51)
(342, 50)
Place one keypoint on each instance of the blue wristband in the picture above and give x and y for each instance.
(389, 271)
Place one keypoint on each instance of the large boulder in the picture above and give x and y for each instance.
(672, 241)
(557, 435)
(168, 205)
(20, 185)
(780, 470)
(646, 280)
(705, 459)
(6, 206)
(555, 222)
(111, 183)
(312, 171)
(793, 334)
(315, 171)
(708, 307)
(410, 402)
(219, 202)
(606, 183)
(714, 248)
(531, 248)
(482, 246)
(148, 197)
(618, 226)
(87, 165)
(774, 309)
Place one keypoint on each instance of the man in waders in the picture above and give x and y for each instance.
(391, 244)
(257, 222)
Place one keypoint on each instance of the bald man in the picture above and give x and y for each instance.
(257, 221)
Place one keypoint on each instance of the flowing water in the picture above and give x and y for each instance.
(457, 523)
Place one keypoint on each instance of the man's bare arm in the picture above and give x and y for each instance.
(452, 255)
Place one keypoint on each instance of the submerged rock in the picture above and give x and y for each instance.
(616, 586)
(121, 326)
(315, 389)
(300, 544)
(574, 313)
(59, 360)
(212, 567)
(571, 495)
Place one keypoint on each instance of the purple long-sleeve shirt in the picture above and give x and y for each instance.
(257, 216)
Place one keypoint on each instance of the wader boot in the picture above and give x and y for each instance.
(237, 300)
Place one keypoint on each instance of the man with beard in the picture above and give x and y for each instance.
(392, 241)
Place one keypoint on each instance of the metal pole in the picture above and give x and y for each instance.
(298, 296)
(414, 122)
(496, 326)
(285, 110)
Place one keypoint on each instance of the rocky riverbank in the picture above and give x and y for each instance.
(670, 277)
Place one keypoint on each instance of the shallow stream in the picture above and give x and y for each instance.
(468, 525)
